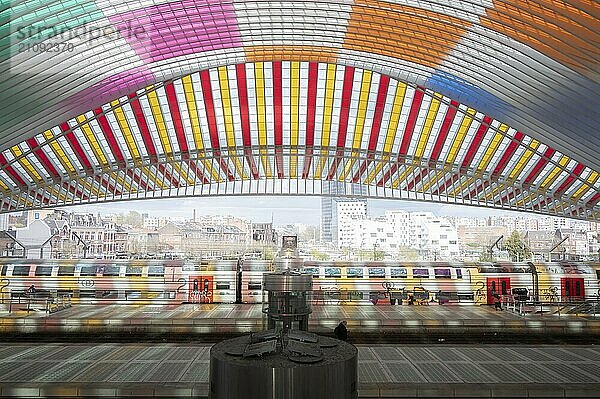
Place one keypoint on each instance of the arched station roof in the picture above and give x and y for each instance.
(491, 103)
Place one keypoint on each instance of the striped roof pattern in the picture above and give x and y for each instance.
(530, 67)
(293, 121)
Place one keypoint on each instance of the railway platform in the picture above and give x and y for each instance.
(182, 370)
(367, 323)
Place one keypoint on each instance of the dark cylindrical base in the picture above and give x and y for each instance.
(275, 376)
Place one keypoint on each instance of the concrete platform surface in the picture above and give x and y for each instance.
(198, 319)
(69, 370)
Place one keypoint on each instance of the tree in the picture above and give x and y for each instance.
(517, 248)
(133, 219)
(408, 254)
(318, 255)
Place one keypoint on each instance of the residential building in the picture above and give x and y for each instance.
(3, 221)
(343, 190)
(480, 237)
(541, 242)
(345, 213)
(199, 240)
(576, 245)
(263, 234)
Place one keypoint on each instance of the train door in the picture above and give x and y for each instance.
(499, 285)
(571, 289)
(200, 289)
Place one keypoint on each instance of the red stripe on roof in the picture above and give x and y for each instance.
(478, 189)
(163, 170)
(570, 179)
(137, 178)
(106, 183)
(70, 136)
(384, 83)
(108, 134)
(417, 179)
(243, 99)
(278, 116)
(212, 121)
(415, 107)
(538, 167)
(245, 116)
(210, 110)
(514, 191)
(41, 156)
(476, 142)
(449, 181)
(593, 201)
(441, 138)
(142, 124)
(176, 115)
(508, 153)
(75, 191)
(199, 173)
(313, 75)
(411, 122)
(11, 172)
(344, 113)
(386, 175)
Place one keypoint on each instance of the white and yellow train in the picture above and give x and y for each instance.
(223, 281)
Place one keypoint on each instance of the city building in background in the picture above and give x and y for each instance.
(395, 234)
(334, 191)
(3, 221)
(345, 215)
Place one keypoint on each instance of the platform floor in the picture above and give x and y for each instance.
(207, 319)
(384, 371)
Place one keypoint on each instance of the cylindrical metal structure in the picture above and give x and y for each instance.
(275, 376)
(288, 302)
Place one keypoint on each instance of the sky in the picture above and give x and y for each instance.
(281, 209)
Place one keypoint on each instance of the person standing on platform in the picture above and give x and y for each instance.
(497, 303)
(341, 331)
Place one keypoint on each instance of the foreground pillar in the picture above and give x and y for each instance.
(277, 365)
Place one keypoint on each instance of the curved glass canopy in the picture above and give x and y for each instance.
(490, 103)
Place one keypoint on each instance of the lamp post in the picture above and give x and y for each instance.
(375, 245)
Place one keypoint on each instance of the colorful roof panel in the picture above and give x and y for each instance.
(490, 102)
(293, 121)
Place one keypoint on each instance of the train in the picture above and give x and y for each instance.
(240, 281)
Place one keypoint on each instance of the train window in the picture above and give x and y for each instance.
(222, 285)
(3, 271)
(254, 285)
(20, 271)
(597, 274)
(399, 272)
(421, 273)
(311, 270)
(87, 294)
(112, 271)
(442, 273)
(156, 271)
(577, 288)
(88, 271)
(333, 272)
(376, 272)
(133, 271)
(66, 270)
(458, 274)
(354, 272)
(43, 271)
